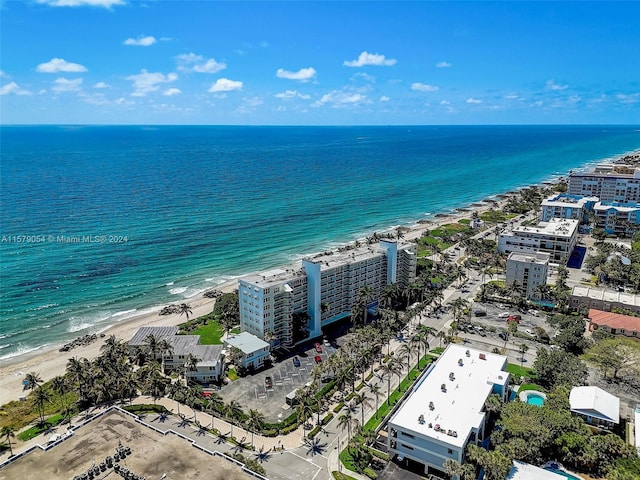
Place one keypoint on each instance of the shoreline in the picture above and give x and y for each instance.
(48, 362)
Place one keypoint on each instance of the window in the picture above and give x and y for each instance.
(407, 434)
(406, 446)
(449, 451)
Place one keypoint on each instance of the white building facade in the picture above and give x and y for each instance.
(608, 182)
(529, 270)
(254, 351)
(445, 410)
(617, 218)
(322, 291)
(557, 237)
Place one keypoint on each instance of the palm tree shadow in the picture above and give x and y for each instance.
(222, 438)
(315, 446)
(241, 446)
(262, 455)
(183, 421)
(162, 417)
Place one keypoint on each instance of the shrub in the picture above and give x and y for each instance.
(370, 473)
(314, 431)
(359, 387)
(338, 407)
(327, 419)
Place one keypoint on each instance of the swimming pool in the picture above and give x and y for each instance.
(533, 397)
(563, 474)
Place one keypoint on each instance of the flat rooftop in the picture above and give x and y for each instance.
(152, 454)
(538, 257)
(246, 342)
(556, 227)
(609, 296)
(564, 200)
(459, 408)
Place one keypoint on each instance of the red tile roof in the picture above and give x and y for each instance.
(614, 320)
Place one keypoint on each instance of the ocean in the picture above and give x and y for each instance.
(99, 223)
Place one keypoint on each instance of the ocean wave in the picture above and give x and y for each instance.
(22, 350)
(42, 307)
(169, 284)
(77, 324)
(5, 346)
(124, 312)
(178, 290)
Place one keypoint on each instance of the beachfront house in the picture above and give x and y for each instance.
(597, 407)
(601, 299)
(614, 323)
(247, 350)
(528, 270)
(445, 411)
(294, 304)
(209, 366)
(557, 237)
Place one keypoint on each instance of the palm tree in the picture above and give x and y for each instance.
(364, 401)
(7, 433)
(177, 392)
(255, 419)
(166, 350)
(31, 381)
(59, 385)
(304, 410)
(151, 342)
(362, 301)
(184, 309)
(156, 385)
(78, 370)
(232, 410)
(40, 397)
(405, 351)
(347, 420)
(523, 348)
(214, 405)
(388, 369)
(374, 388)
(190, 365)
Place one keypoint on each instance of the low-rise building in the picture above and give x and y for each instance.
(605, 300)
(614, 323)
(597, 407)
(528, 270)
(254, 350)
(561, 205)
(617, 218)
(209, 365)
(557, 237)
(445, 410)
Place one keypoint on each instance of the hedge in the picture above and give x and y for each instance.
(338, 407)
(327, 419)
(370, 473)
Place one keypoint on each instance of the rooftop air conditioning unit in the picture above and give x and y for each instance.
(482, 356)
(443, 387)
(460, 362)
(468, 353)
(431, 406)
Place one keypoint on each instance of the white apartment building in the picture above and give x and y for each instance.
(557, 237)
(608, 182)
(566, 206)
(605, 300)
(529, 270)
(445, 410)
(322, 291)
(254, 350)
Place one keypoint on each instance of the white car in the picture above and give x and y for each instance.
(535, 313)
(504, 315)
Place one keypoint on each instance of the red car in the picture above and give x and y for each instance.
(514, 318)
(318, 358)
(318, 347)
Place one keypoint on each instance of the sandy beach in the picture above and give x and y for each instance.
(50, 363)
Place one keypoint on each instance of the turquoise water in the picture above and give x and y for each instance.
(534, 399)
(159, 214)
(566, 475)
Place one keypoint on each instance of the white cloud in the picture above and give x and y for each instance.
(289, 94)
(384, 98)
(170, 92)
(628, 98)
(444, 102)
(101, 85)
(423, 87)
(141, 41)
(56, 65)
(145, 82)
(14, 88)
(473, 101)
(225, 85)
(337, 99)
(65, 85)
(82, 3)
(363, 76)
(555, 87)
(3, 74)
(443, 65)
(197, 63)
(304, 74)
(367, 58)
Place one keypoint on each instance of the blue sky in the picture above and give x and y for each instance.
(318, 63)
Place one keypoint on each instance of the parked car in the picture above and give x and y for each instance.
(504, 336)
(535, 313)
(326, 343)
(514, 318)
(480, 313)
(268, 382)
(504, 315)
(296, 362)
(318, 347)
(326, 378)
(318, 359)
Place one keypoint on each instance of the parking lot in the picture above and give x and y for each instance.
(252, 391)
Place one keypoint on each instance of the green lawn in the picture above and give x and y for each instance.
(210, 334)
(38, 429)
(514, 369)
